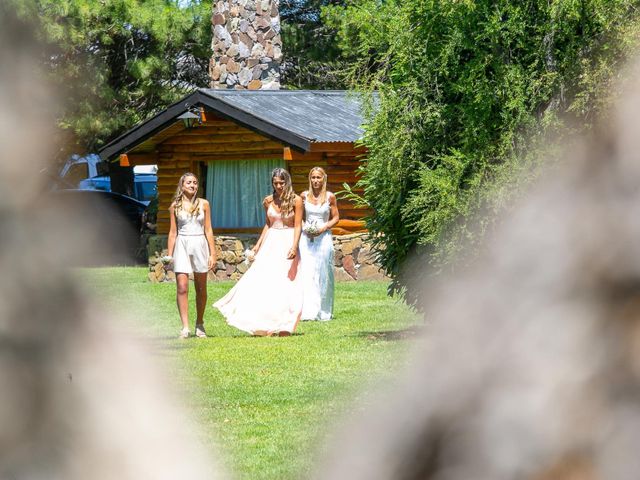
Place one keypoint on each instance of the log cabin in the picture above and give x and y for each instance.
(232, 139)
(233, 134)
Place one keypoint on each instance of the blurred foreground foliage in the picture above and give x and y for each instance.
(115, 62)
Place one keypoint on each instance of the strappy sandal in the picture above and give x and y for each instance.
(200, 332)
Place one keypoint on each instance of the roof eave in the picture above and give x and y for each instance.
(166, 118)
(255, 123)
(147, 129)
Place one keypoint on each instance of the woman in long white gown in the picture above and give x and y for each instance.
(316, 247)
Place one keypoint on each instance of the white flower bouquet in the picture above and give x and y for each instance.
(311, 229)
(249, 256)
(167, 262)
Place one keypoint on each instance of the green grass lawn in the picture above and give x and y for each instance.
(265, 403)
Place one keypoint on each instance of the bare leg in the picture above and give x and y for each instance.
(182, 298)
(200, 281)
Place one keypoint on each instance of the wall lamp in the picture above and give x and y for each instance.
(191, 116)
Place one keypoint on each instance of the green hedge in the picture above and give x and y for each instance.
(469, 92)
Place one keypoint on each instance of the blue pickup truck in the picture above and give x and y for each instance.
(84, 173)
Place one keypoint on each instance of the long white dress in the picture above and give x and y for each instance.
(316, 262)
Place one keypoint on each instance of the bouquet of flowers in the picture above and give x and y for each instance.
(167, 262)
(311, 229)
(249, 256)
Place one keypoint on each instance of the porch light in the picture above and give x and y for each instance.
(189, 118)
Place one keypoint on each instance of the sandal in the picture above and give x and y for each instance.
(200, 333)
(184, 333)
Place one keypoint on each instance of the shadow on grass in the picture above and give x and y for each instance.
(240, 336)
(392, 335)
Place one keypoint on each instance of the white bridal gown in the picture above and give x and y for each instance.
(316, 262)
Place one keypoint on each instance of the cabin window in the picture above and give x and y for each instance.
(236, 188)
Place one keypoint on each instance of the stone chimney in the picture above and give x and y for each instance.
(247, 48)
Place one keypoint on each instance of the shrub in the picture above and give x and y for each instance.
(469, 94)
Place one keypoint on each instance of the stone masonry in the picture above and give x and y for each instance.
(353, 259)
(247, 48)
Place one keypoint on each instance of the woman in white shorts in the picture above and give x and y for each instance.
(192, 246)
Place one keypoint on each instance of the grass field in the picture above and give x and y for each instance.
(264, 404)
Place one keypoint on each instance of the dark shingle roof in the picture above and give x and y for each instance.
(293, 117)
(318, 115)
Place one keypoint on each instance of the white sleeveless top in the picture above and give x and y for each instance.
(190, 225)
(318, 213)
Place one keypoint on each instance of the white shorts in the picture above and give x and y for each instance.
(191, 254)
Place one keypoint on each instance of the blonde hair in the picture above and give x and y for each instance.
(178, 197)
(323, 191)
(287, 200)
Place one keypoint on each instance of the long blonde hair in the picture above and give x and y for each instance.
(288, 198)
(179, 196)
(323, 191)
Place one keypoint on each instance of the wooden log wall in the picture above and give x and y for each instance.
(190, 150)
(221, 139)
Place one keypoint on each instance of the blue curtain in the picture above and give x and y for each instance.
(235, 189)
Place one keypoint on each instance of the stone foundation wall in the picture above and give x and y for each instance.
(353, 259)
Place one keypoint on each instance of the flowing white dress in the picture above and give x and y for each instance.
(267, 299)
(316, 261)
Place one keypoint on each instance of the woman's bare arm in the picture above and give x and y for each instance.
(334, 215)
(265, 203)
(297, 227)
(208, 232)
(173, 231)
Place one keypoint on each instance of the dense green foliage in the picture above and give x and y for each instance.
(311, 57)
(115, 62)
(469, 92)
(263, 404)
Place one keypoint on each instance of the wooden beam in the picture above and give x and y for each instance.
(345, 227)
(344, 231)
(336, 147)
(231, 129)
(307, 158)
(334, 178)
(344, 161)
(215, 123)
(142, 158)
(352, 214)
(256, 155)
(350, 223)
(331, 170)
(215, 138)
(226, 147)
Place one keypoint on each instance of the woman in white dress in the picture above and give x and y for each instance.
(316, 247)
(192, 248)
